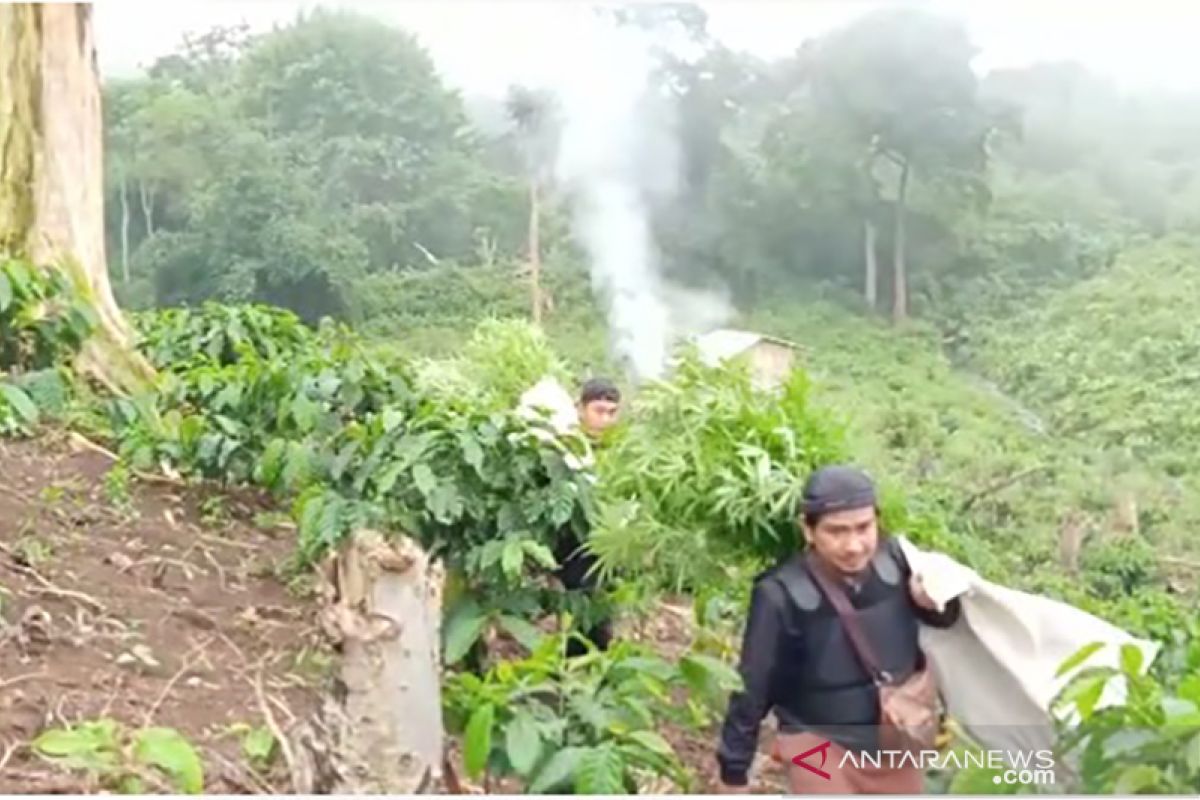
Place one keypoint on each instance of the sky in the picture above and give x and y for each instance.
(482, 47)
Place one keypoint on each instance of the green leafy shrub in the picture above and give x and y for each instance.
(43, 320)
(236, 421)
(1150, 743)
(708, 473)
(43, 324)
(221, 333)
(589, 724)
(501, 359)
(458, 480)
(18, 413)
(1121, 566)
(341, 431)
(506, 357)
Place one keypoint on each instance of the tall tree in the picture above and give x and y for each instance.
(533, 114)
(363, 106)
(52, 171)
(901, 82)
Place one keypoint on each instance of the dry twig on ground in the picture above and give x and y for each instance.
(188, 660)
(285, 746)
(8, 754)
(4, 684)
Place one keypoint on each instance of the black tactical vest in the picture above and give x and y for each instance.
(820, 683)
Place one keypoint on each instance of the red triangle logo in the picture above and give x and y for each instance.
(823, 749)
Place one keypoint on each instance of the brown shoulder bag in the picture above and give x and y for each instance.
(909, 715)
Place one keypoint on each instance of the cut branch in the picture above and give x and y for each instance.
(1000, 485)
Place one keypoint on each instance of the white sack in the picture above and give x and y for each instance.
(548, 397)
(996, 666)
(553, 418)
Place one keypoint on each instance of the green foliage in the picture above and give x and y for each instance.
(432, 312)
(43, 324)
(1133, 387)
(708, 473)
(124, 759)
(1147, 744)
(1040, 233)
(508, 357)
(903, 79)
(499, 361)
(1111, 363)
(482, 486)
(285, 167)
(256, 231)
(239, 421)
(258, 744)
(342, 433)
(18, 414)
(440, 301)
(1128, 565)
(43, 320)
(588, 724)
(219, 333)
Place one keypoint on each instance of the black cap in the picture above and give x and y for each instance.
(837, 488)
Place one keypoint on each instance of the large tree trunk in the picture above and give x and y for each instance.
(380, 728)
(899, 268)
(871, 283)
(535, 250)
(51, 168)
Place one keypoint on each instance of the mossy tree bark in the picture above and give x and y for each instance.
(51, 169)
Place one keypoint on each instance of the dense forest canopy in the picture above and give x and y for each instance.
(323, 165)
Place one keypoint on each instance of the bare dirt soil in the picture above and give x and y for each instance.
(156, 604)
(152, 605)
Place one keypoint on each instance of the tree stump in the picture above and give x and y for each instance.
(379, 729)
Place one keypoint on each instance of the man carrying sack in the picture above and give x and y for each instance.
(831, 646)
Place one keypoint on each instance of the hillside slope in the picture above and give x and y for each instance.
(1113, 366)
(1047, 511)
(148, 606)
(940, 434)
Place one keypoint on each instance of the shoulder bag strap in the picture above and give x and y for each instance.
(849, 619)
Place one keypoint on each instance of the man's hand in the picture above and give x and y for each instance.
(917, 589)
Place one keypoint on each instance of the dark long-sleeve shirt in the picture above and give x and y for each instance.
(773, 629)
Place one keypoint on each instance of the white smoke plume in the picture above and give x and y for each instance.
(618, 153)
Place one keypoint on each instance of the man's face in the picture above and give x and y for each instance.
(846, 540)
(599, 415)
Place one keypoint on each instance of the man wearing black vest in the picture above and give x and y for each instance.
(598, 408)
(798, 660)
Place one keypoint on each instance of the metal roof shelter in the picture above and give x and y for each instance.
(770, 357)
